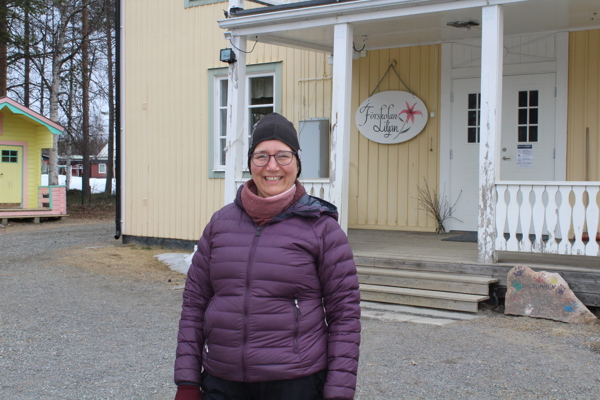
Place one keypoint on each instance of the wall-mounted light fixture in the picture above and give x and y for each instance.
(466, 25)
(228, 56)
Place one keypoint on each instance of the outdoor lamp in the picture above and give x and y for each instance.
(228, 56)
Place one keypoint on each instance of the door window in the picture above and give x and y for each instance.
(10, 156)
(473, 117)
(528, 116)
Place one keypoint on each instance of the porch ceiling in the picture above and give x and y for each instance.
(386, 23)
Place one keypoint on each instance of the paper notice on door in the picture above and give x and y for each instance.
(524, 156)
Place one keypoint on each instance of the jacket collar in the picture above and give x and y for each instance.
(307, 207)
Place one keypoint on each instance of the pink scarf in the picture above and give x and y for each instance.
(263, 210)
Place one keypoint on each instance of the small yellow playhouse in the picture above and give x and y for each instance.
(23, 135)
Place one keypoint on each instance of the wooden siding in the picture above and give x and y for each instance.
(168, 51)
(384, 179)
(19, 131)
(583, 125)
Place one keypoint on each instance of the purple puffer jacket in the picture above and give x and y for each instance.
(255, 299)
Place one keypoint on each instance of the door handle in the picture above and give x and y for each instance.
(505, 158)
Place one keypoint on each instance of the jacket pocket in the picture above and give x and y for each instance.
(207, 319)
(297, 314)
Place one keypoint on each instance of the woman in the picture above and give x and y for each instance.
(271, 303)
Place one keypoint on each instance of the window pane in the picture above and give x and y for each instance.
(223, 130)
(522, 116)
(222, 153)
(472, 116)
(533, 133)
(523, 99)
(522, 134)
(261, 90)
(533, 115)
(533, 98)
(472, 101)
(472, 135)
(223, 93)
(259, 112)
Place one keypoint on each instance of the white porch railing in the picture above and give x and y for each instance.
(556, 217)
(317, 187)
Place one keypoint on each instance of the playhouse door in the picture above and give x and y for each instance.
(11, 176)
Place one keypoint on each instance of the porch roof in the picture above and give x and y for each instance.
(382, 24)
(17, 108)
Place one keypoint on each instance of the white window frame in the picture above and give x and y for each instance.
(102, 168)
(219, 75)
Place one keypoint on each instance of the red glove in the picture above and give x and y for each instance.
(188, 392)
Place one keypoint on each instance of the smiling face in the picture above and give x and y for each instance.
(273, 179)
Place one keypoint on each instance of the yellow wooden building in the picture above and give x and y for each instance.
(186, 115)
(23, 135)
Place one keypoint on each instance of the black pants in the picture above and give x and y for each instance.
(306, 388)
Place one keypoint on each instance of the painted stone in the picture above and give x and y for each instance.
(543, 295)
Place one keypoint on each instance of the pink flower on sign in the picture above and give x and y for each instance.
(410, 117)
(410, 112)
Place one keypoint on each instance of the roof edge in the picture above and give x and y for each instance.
(17, 108)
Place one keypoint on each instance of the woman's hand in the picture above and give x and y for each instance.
(188, 392)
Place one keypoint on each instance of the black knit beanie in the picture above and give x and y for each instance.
(275, 127)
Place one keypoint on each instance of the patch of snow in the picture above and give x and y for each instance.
(179, 262)
(96, 184)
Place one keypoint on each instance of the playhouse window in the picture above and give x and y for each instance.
(10, 156)
(101, 168)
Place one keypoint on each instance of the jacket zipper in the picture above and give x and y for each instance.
(297, 313)
(247, 299)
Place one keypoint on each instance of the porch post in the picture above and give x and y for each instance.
(490, 129)
(236, 119)
(340, 120)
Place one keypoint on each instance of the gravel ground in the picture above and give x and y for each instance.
(70, 331)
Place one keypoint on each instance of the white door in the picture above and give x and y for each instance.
(527, 135)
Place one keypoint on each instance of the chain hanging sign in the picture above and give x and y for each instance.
(391, 117)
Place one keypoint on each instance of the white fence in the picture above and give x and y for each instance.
(548, 217)
(97, 185)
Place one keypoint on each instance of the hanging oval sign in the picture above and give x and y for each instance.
(391, 117)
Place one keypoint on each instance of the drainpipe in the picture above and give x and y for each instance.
(118, 27)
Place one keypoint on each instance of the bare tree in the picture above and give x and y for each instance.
(109, 34)
(61, 55)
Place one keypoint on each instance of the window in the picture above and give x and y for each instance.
(473, 117)
(263, 91)
(102, 168)
(10, 156)
(527, 117)
(194, 3)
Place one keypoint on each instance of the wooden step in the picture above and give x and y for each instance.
(458, 283)
(421, 298)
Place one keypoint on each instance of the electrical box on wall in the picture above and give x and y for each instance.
(314, 142)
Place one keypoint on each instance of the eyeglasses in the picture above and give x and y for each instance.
(281, 157)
